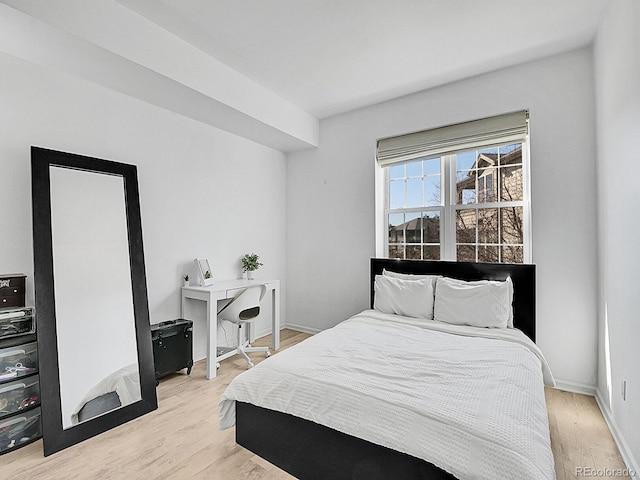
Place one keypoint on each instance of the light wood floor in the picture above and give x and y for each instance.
(181, 440)
(580, 437)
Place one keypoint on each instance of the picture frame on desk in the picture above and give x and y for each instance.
(204, 271)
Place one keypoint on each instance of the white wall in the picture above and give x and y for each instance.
(330, 201)
(204, 192)
(617, 68)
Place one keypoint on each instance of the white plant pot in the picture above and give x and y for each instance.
(251, 274)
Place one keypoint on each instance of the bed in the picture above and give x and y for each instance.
(120, 388)
(390, 394)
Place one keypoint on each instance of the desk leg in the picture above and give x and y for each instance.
(212, 338)
(275, 317)
(211, 329)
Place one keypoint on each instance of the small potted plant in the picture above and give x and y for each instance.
(185, 281)
(250, 264)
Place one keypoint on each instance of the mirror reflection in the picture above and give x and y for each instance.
(97, 351)
(204, 271)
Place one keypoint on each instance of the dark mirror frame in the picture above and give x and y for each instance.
(55, 438)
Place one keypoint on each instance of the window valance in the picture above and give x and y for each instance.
(461, 136)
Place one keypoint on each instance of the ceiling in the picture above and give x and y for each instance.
(331, 56)
(269, 70)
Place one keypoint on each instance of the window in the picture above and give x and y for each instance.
(414, 209)
(467, 203)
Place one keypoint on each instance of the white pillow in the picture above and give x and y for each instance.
(411, 276)
(411, 298)
(509, 283)
(484, 303)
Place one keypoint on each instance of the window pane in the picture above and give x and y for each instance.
(396, 171)
(396, 228)
(506, 149)
(414, 169)
(511, 154)
(432, 191)
(491, 152)
(431, 252)
(465, 160)
(431, 227)
(511, 180)
(396, 251)
(414, 192)
(466, 226)
(468, 196)
(396, 194)
(511, 225)
(512, 254)
(431, 166)
(487, 185)
(414, 252)
(488, 254)
(466, 187)
(466, 253)
(488, 225)
(396, 219)
(413, 227)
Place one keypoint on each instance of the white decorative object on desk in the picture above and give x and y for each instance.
(204, 271)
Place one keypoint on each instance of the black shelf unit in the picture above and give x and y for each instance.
(20, 422)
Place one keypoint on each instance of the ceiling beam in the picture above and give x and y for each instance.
(107, 44)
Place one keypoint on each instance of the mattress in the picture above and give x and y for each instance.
(469, 400)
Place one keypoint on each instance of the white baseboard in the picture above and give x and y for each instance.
(576, 387)
(623, 447)
(264, 332)
(297, 328)
(303, 328)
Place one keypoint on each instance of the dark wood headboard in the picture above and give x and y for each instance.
(522, 276)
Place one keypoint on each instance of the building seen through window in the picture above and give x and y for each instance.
(476, 212)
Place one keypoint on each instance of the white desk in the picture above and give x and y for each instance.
(223, 290)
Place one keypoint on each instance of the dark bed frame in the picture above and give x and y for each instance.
(308, 450)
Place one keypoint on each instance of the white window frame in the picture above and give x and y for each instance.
(448, 205)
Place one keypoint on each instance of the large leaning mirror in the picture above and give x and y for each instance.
(94, 341)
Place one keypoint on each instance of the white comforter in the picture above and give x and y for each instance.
(468, 400)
